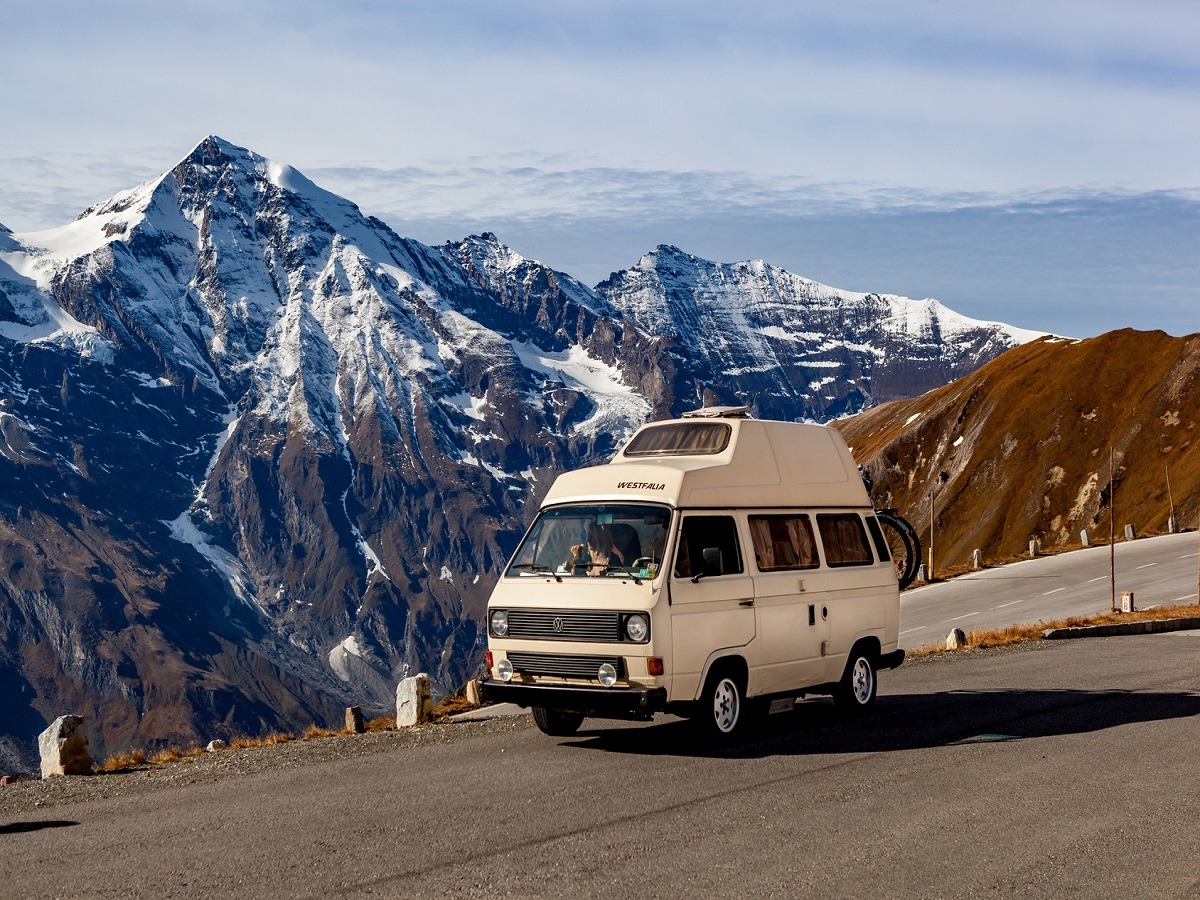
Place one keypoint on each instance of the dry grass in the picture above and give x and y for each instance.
(982, 639)
(127, 759)
(449, 706)
(316, 731)
(383, 723)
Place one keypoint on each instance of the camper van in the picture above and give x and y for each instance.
(719, 566)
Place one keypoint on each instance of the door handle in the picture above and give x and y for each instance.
(745, 603)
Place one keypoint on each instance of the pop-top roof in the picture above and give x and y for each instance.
(728, 462)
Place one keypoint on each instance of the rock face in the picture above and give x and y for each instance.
(260, 457)
(64, 748)
(793, 348)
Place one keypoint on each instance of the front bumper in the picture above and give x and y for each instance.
(611, 702)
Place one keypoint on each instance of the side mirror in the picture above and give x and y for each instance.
(712, 560)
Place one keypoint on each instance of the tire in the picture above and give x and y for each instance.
(904, 544)
(855, 693)
(555, 722)
(724, 710)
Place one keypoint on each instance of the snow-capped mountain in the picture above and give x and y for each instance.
(261, 456)
(795, 348)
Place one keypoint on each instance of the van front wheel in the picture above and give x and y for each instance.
(855, 693)
(723, 707)
(555, 722)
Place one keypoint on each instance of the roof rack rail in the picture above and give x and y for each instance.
(719, 412)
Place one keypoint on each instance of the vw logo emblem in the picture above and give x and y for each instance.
(558, 624)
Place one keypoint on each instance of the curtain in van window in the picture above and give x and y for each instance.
(680, 439)
(783, 542)
(845, 539)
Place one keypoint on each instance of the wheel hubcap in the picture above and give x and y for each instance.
(862, 680)
(726, 705)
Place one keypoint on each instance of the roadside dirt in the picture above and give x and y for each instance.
(67, 789)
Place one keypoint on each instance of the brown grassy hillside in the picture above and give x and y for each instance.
(1019, 449)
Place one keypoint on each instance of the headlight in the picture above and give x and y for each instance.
(505, 670)
(637, 628)
(499, 622)
(607, 675)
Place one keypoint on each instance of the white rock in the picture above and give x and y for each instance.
(414, 702)
(956, 639)
(214, 746)
(473, 692)
(64, 748)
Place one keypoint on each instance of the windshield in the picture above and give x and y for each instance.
(594, 541)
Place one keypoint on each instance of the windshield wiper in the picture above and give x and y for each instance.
(621, 568)
(538, 568)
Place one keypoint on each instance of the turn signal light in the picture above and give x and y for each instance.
(654, 665)
(489, 659)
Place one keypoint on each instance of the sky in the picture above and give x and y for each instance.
(1028, 162)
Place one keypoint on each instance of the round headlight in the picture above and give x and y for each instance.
(637, 628)
(505, 670)
(607, 675)
(499, 622)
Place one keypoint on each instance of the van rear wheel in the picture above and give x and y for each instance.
(556, 723)
(855, 693)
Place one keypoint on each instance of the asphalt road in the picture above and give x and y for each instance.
(1056, 770)
(1161, 571)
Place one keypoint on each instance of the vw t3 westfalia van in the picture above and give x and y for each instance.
(715, 562)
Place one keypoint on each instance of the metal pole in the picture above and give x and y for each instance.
(1112, 534)
(931, 575)
(1170, 499)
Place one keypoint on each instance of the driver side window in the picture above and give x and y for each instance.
(711, 533)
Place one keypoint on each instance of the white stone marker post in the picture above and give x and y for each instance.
(64, 748)
(414, 702)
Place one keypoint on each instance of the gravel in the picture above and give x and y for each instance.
(24, 796)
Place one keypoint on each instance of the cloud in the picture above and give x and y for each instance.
(1077, 262)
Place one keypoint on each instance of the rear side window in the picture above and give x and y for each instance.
(881, 547)
(783, 542)
(844, 539)
(700, 533)
(680, 439)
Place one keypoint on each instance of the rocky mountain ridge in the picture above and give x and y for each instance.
(262, 456)
(1019, 449)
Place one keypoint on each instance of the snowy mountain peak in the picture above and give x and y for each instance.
(498, 267)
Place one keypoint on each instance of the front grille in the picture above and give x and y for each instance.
(561, 665)
(564, 625)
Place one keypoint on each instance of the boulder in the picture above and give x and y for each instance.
(956, 639)
(414, 702)
(64, 748)
(354, 720)
(214, 746)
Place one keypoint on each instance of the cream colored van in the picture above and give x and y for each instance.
(717, 566)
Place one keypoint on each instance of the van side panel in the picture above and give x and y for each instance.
(858, 608)
(787, 648)
(707, 616)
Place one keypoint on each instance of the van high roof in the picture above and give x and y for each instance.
(718, 458)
